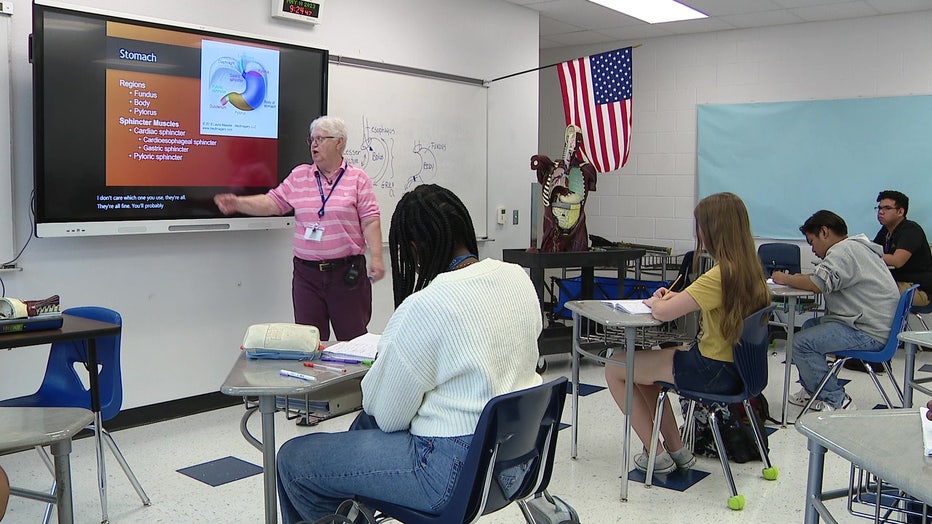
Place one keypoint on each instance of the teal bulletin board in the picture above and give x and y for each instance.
(787, 160)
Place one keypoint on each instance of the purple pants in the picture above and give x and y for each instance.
(322, 298)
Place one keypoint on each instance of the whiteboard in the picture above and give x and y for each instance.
(406, 130)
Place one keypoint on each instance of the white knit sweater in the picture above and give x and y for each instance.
(468, 336)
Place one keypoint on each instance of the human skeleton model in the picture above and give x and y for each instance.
(565, 184)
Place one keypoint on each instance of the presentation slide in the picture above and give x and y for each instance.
(213, 113)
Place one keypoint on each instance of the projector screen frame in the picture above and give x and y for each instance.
(49, 225)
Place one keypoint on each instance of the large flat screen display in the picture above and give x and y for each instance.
(139, 124)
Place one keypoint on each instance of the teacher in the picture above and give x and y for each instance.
(336, 218)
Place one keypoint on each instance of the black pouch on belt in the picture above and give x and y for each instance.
(352, 275)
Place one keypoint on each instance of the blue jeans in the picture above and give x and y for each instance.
(317, 472)
(814, 342)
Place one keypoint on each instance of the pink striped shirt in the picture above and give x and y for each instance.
(348, 205)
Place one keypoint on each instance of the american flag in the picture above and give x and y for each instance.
(597, 98)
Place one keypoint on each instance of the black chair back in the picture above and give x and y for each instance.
(510, 457)
(751, 352)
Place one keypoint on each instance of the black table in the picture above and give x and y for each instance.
(557, 338)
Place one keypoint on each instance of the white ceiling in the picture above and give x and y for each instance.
(580, 22)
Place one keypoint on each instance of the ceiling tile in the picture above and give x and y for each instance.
(584, 14)
(763, 18)
(900, 6)
(788, 4)
(570, 22)
(634, 32)
(581, 38)
(834, 11)
(549, 26)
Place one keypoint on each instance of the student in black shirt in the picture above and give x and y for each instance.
(906, 249)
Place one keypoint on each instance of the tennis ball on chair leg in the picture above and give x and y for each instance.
(771, 473)
(736, 503)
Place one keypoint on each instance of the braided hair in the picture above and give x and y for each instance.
(429, 225)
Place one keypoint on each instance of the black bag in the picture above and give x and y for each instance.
(737, 433)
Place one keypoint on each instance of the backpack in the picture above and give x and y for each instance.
(737, 433)
(549, 509)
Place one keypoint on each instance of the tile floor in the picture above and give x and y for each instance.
(590, 483)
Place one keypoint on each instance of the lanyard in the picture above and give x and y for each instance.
(320, 187)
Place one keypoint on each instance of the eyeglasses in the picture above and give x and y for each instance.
(311, 140)
(885, 208)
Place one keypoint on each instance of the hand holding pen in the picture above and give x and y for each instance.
(666, 293)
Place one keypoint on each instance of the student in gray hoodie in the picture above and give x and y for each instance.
(860, 302)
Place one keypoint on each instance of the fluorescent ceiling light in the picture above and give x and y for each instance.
(652, 11)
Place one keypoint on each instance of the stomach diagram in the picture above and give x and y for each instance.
(240, 83)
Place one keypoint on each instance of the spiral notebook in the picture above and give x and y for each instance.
(635, 306)
(363, 347)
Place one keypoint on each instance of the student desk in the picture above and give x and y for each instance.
(261, 378)
(792, 296)
(599, 313)
(886, 442)
(24, 428)
(73, 328)
(914, 339)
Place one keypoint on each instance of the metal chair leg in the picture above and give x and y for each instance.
(883, 392)
(722, 454)
(833, 372)
(689, 427)
(770, 472)
(125, 466)
(101, 469)
(896, 385)
(654, 437)
(922, 321)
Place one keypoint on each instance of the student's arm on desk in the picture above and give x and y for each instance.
(799, 281)
(671, 305)
(897, 258)
(391, 392)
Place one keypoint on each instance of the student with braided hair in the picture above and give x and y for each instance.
(464, 330)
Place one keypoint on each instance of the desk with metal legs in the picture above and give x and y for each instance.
(912, 340)
(792, 296)
(885, 442)
(261, 378)
(597, 312)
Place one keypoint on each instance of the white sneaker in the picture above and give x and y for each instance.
(801, 398)
(846, 405)
(663, 463)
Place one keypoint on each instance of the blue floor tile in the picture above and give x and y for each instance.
(584, 389)
(679, 480)
(221, 471)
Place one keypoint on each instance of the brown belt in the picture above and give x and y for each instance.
(328, 265)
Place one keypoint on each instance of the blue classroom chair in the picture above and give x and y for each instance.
(881, 356)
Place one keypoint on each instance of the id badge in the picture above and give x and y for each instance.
(314, 233)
